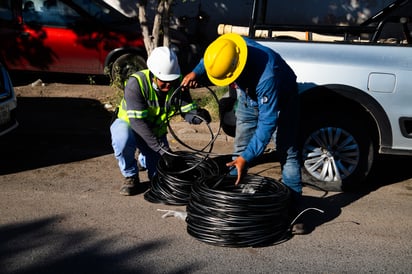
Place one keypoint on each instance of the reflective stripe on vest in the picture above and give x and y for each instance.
(157, 121)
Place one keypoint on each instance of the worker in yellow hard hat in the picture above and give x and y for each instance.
(267, 102)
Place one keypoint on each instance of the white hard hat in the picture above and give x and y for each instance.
(163, 63)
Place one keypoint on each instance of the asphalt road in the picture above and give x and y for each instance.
(61, 211)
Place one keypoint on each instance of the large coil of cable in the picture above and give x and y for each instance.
(252, 214)
(173, 187)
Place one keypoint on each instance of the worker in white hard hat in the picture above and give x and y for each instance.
(267, 102)
(142, 116)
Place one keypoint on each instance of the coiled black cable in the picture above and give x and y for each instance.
(173, 187)
(254, 213)
(176, 100)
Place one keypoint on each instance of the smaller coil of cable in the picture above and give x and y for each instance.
(173, 187)
(252, 214)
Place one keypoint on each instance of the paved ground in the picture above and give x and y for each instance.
(61, 211)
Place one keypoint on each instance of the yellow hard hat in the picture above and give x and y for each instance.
(225, 59)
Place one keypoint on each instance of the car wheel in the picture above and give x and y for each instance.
(336, 153)
(124, 66)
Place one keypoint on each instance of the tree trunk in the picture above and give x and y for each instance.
(166, 22)
(160, 24)
(147, 39)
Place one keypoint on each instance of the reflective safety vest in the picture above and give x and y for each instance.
(154, 114)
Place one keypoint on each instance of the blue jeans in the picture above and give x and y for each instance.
(125, 142)
(285, 135)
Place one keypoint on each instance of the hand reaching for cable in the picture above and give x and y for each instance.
(190, 80)
(240, 164)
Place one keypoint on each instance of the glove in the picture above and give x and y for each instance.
(202, 114)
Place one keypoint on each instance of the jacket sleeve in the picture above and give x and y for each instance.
(200, 68)
(267, 97)
(136, 103)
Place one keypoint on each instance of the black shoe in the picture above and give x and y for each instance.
(297, 225)
(298, 229)
(132, 186)
(296, 220)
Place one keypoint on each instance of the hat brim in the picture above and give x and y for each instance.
(241, 44)
(169, 77)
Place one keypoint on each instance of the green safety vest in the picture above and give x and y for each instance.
(154, 114)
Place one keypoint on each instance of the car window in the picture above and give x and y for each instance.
(49, 12)
(5, 10)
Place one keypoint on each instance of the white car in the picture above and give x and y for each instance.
(8, 103)
(356, 99)
(356, 105)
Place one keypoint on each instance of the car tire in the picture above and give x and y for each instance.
(337, 152)
(124, 66)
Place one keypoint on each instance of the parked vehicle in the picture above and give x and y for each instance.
(8, 103)
(356, 95)
(77, 36)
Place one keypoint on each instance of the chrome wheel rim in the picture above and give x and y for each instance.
(330, 154)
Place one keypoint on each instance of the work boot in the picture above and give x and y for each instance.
(296, 207)
(298, 227)
(132, 186)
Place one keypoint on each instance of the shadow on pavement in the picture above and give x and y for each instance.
(53, 131)
(38, 246)
(387, 171)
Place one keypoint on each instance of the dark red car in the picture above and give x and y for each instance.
(77, 36)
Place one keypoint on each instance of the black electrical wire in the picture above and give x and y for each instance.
(173, 187)
(254, 213)
(175, 100)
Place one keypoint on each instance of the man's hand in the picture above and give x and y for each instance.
(240, 164)
(189, 81)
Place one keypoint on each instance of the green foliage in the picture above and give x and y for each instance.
(206, 100)
(202, 96)
(115, 81)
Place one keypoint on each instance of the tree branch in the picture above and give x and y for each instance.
(147, 38)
